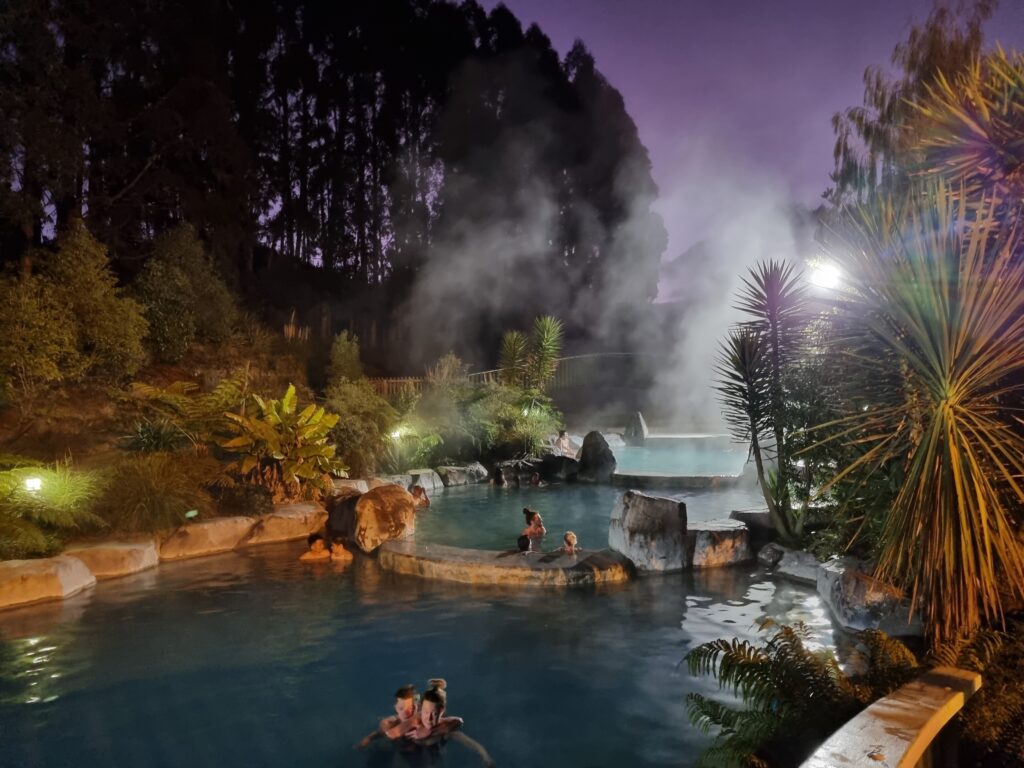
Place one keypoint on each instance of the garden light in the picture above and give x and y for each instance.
(33, 484)
(826, 276)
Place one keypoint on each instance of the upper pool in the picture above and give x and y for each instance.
(686, 455)
(254, 659)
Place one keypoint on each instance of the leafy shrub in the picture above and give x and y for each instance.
(109, 327)
(184, 295)
(411, 447)
(344, 362)
(794, 697)
(283, 449)
(156, 436)
(449, 369)
(242, 499)
(363, 432)
(198, 416)
(163, 290)
(37, 345)
(153, 491)
(39, 501)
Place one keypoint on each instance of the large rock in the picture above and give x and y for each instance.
(614, 439)
(209, 537)
(558, 469)
(650, 531)
(341, 514)
(718, 543)
(771, 554)
(51, 578)
(597, 462)
(404, 480)
(467, 475)
(859, 601)
(381, 515)
(344, 484)
(636, 430)
(117, 558)
(286, 523)
(799, 566)
(428, 478)
(758, 522)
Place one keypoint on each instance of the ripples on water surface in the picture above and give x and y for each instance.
(254, 659)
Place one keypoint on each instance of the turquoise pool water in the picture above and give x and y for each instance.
(486, 517)
(683, 455)
(255, 659)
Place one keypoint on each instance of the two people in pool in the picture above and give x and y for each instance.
(420, 721)
(530, 538)
(319, 552)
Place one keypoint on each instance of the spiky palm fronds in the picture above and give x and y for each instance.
(935, 340)
(970, 129)
(545, 349)
(512, 359)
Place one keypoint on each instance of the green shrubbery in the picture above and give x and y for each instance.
(38, 502)
(184, 296)
(153, 491)
(344, 362)
(366, 421)
(67, 321)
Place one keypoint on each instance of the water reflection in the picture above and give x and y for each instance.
(262, 660)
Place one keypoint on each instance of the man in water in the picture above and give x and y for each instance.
(563, 445)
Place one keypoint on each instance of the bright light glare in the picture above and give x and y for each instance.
(396, 434)
(826, 276)
(33, 484)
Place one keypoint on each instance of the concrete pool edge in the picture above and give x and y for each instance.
(508, 567)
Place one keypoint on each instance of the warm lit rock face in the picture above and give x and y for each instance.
(378, 482)
(51, 578)
(286, 523)
(858, 601)
(718, 543)
(344, 484)
(650, 531)
(597, 462)
(512, 568)
(382, 514)
(467, 475)
(112, 559)
(221, 534)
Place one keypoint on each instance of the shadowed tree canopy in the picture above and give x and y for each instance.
(325, 150)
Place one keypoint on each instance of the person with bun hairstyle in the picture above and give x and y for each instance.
(434, 728)
(534, 529)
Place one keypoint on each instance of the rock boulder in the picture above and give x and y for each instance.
(286, 523)
(428, 478)
(467, 475)
(558, 469)
(597, 462)
(718, 543)
(636, 430)
(344, 484)
(209, 537)
(797, 565)
(650, 531)
(381, 515)
(33, 581)
(859, 601)
(759, 523)
(116, 558)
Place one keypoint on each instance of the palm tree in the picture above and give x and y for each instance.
(933, 349)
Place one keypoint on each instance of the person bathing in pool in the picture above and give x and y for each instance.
(534, 529)
(399, 724)
(434, 728)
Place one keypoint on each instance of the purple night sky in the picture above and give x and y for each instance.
(737, 89)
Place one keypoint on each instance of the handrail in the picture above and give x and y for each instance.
(899, 729)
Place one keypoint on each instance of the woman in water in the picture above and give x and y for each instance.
(434, 728)
(534, 529)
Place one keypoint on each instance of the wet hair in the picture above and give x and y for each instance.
(561, 433)
(570, 538)
(530, 514)
(313, 538)
(339, 541)
(523, 542)
(406, 692)
(435, 693)
(419, 490)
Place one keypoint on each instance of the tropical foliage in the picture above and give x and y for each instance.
(282, 448)
(363, 432)
(933, 348)
(155, 491)
(793, 695)
(531, 363)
